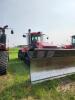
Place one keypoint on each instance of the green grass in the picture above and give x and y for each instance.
(16, 84)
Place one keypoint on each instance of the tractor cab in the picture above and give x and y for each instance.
(36, 36)
(36, 39)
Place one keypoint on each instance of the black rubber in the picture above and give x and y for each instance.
(27, 59)
(3, 70)
(3, 62)
(20, 55)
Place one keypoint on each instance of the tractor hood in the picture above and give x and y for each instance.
(45, 45)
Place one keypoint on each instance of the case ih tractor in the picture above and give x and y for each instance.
(47, 61)
(35, 41)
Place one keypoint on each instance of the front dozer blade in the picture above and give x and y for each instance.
(48, 64)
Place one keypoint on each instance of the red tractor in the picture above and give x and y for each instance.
(35, 40)
(72, 45)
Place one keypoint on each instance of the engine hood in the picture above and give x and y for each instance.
(45, 45)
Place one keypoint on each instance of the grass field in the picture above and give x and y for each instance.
(16, 84)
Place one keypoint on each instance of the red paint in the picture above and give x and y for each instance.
(68, 46)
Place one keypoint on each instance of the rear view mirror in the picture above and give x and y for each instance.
(5, 27)
(24, 35)
(12, 32)
(47, 38)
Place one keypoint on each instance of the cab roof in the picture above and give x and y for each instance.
(36, 33)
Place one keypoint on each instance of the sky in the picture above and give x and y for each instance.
(55, 18)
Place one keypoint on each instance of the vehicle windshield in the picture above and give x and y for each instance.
(36, 38)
